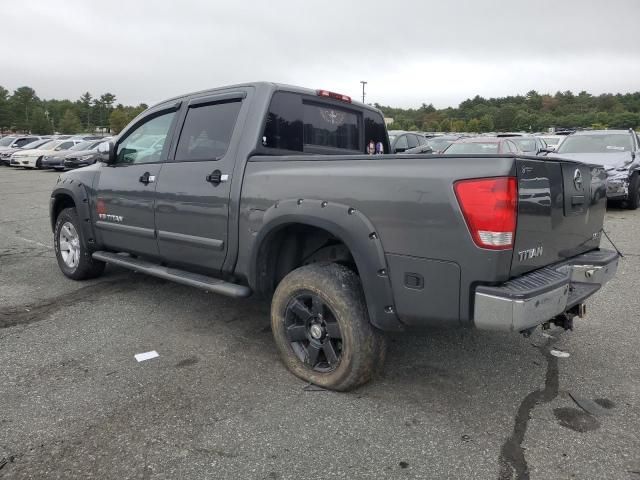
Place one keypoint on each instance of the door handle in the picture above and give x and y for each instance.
(217, 177)
(146, 178)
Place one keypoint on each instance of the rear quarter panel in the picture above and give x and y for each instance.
(410, 202)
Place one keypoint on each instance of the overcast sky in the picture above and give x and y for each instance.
(410, 52)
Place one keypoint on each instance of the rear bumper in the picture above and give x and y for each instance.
(539, 296)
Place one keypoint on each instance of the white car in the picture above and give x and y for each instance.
(33, 158)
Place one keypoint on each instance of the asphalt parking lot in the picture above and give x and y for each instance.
(217, 403)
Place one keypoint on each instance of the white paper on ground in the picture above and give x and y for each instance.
(559, 353)
(141, 357)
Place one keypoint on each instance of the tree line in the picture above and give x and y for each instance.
(533, 112)
(23, 111)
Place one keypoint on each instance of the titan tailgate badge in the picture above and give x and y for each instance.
(530, 253)
(101, 210)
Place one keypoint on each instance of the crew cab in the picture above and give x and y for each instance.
(266, 189)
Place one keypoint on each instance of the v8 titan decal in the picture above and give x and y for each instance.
(101, 210)
(530, 253)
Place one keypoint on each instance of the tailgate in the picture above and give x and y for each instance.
(561, 207)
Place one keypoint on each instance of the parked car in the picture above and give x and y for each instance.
(84, 150)
(5, 155)
(440, 143)
(485, 144)
(527, 143)
(77, 158)
(33, 158)
(401, 140)
(259, 188)
(618, 151)
(12, 142)
(552, 141)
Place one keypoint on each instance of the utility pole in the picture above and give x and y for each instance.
(363, 84)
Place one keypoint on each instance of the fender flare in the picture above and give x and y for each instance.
(75, 189)
(359, 235)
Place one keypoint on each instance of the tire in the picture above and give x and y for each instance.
(77, 262)
(633, 200)
(307, 307)
(39, 163)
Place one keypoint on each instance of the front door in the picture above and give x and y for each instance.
(125, 190)
(192, 197)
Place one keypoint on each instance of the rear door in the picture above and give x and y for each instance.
(192, 196)
(561, 209)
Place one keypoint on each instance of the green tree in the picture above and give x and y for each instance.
(473, 125)
(85, 102)
(459, 125)
(40, 124)
(118, 120)
(445, 125)
(5, 109)
(70, 123)
(23, 101)
(486, 123)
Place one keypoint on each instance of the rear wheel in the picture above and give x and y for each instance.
(72, 252)
(322, 330)
(633, 201)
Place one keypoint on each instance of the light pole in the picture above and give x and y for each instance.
(363, 84)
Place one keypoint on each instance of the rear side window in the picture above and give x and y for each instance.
(375, 130)
(207, 131)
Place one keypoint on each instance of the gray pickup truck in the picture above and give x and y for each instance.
(288, 193)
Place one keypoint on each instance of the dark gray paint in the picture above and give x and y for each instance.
(407, 200)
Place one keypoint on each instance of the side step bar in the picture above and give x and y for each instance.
(203, 282)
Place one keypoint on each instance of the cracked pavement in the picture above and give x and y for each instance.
(217, 403)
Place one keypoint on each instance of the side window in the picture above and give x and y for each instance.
(22, 142)
(207, 131)
(422, 140)
(401, 143)
(412, 140)
(146, 142)
(284, 123)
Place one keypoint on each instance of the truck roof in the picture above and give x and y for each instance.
(272, 86)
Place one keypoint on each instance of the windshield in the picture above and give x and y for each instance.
(551, 141)
(607, 143)
(6, 141)
(525, 144)
(392, 137)
(50, 145)
(439, 144)
(82, 146)
(477, 147)
(36, 144)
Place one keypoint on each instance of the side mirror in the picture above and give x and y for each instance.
(107, 152)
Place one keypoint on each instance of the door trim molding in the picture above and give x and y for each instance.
(213, 243)
(118, 227)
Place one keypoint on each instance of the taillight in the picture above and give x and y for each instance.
(490, 208)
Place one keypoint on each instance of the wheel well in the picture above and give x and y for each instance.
(293, 246)
(61, 202)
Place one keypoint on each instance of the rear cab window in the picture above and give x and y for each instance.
(304, 123)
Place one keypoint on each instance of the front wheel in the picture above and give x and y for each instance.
(72, 251)
(633, 200)
(322, 330)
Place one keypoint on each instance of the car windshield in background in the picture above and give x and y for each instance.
(6, 141)
(36, 144)
(392, 138)
(551, 141)
(82, 146)
(439, 144)
(607, 143)
(50, 145)
(525, 144)
(476, 147)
